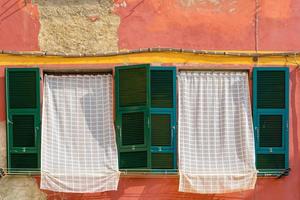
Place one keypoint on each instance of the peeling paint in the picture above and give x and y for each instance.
(121, 4)
(78, 26)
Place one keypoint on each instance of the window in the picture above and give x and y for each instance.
(23, 119)
(146, 117)
(271, 119)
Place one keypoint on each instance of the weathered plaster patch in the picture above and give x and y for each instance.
(78, 26)
(120, 4)
(20, 187)
(3, 146)
(215, 6)
(189, 3)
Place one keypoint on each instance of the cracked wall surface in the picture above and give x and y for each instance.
(78, 26)
(20, 188)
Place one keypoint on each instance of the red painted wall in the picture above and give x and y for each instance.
(151, 23)
(204, 24)
(279, 25)
(19, 26)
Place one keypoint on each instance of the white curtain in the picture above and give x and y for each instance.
(216, 142)
(78, 152)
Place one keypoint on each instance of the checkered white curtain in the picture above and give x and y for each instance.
(216, 142)
(79, 152)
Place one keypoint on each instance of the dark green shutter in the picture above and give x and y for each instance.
(22, 89)
(161, 126)
(163, 118)
(146, 117)
(162, 88)
(270, 89)
(23, 119)
(270, 161)
(132, 113)
(23, 131)
(24, 161)
(270, 130)
(271, 118)
(162, 161)
(136, 159)
(133, 87)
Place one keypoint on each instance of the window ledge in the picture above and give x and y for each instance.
(278, 173)
(149, 172)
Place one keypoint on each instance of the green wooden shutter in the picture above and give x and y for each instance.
(162, 161)
(161, 125)
(146, 117)
(271, 119)
(133, 159)
(132, 116)
(163, 118)
(23, 119)
(162, 90)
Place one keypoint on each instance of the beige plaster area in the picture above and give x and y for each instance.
(78, 26)
(3, 163)
(14, 187)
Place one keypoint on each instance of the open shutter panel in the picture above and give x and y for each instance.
(163, 118)
(133, 100)
(23, 118)
(270, 110)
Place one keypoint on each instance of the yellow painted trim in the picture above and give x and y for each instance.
(148, 57)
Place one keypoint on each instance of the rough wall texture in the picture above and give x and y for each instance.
(78, 26)
(20, 188)
(3, 163)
